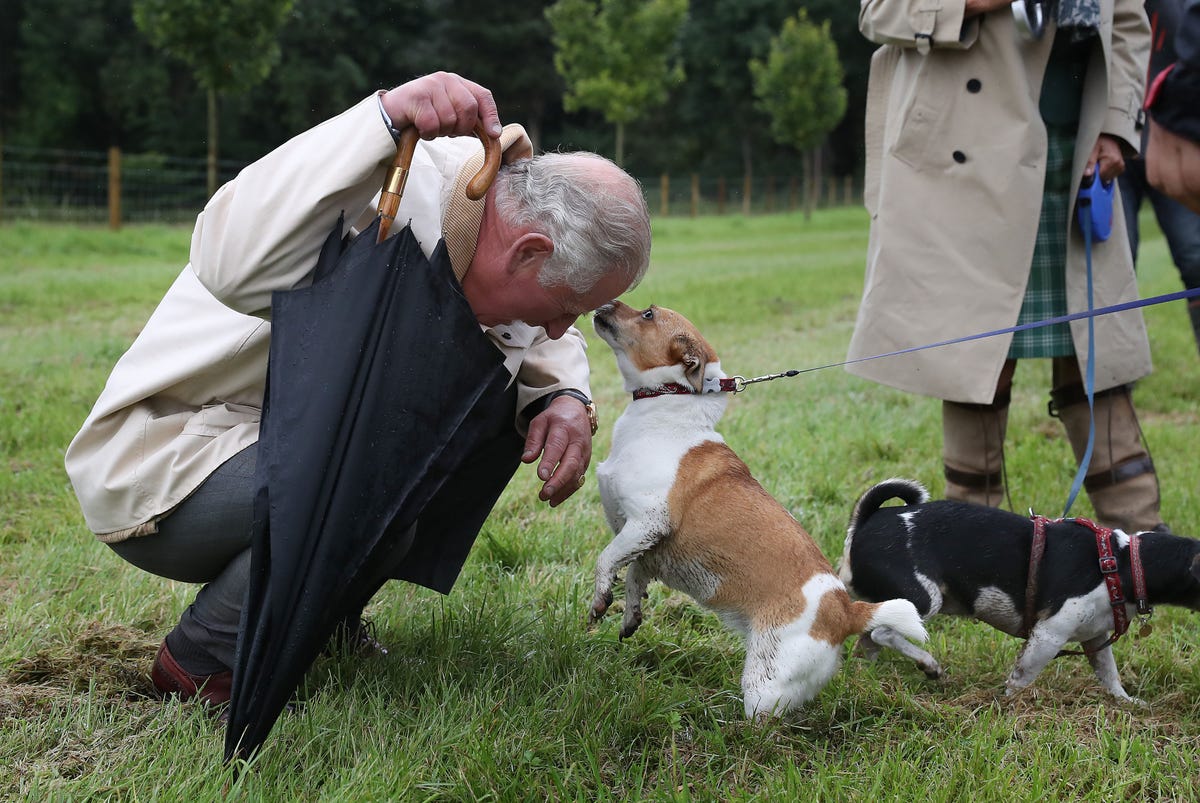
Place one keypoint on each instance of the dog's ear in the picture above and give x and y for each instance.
(1195, 567)
(693, 357)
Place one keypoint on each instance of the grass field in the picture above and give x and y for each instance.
(498, 691)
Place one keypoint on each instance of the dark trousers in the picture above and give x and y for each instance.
(206, 540)
(1180, 226)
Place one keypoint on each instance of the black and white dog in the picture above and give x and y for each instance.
(968, 560)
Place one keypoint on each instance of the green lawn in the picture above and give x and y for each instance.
(498, 691)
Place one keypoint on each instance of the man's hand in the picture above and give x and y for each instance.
(442, 104)
(562, 435)
(1173, 166)
(1107, 155)
(976, 7)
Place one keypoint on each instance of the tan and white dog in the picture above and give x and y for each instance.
(685, 510)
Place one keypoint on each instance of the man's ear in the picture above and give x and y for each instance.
(530, 250)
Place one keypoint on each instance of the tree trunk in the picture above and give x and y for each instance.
(212, 142)
(747, 173)
(620, 155)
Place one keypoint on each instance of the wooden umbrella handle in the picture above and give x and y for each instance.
(397, 175)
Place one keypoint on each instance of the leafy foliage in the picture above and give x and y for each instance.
(229, 44)
(617, 56)
(800, 83)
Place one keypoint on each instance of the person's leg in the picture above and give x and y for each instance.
(1181, 228)
(1121, 481)
(205, 540)
(973, 445)
(1132, 184)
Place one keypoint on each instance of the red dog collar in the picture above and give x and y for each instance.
(727, 385)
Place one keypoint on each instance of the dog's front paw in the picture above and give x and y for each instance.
(600, 603)
(630, 624)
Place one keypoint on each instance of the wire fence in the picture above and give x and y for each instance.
(41, 184)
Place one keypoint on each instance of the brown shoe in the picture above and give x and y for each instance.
(170, 678)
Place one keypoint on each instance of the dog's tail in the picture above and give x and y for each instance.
(910, 492)
(898, 614)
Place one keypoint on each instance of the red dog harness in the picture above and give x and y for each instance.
(1108, 572)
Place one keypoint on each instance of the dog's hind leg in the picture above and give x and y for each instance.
(866, 647)
(1105, 666)
(636, 581)
(887, 637)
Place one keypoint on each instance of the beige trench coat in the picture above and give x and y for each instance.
(187, 394)
(956, 156)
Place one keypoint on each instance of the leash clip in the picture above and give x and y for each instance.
(740, 382)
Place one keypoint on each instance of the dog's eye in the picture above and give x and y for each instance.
(648, 314)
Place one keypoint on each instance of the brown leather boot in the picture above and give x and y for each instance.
(973, 451)
(171, 678)
(1121, 482)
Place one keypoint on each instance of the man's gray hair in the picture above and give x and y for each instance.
(592, 210)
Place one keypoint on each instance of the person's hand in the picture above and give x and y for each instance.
(442, 104)
(976, 7)
(562, 435)
(1173, 166)
(1107, 155)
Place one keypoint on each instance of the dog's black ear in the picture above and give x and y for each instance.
(692, 356)
(1195, 567)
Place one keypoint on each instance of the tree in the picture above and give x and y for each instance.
(481, 39)
(800, 86)
(230, 45)
(619, 57)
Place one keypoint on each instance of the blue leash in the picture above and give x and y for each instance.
(1097, 216)
(1074, 316)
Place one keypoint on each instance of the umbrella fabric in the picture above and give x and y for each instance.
(385, 403)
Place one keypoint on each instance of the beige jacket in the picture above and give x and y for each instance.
(187, 394)
(956, 157)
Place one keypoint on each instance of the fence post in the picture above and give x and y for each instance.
(721, 195)
(695, 194)
(747, 187)
(114, 188)
(848, 190)
(664, 188)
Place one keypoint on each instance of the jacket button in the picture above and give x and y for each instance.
(974, 85)
(506, 335)
(959, 156)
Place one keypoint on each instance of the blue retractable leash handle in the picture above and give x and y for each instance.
(1094, 210)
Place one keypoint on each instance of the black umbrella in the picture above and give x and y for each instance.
(386, 438)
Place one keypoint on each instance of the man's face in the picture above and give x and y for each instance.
(554, 309)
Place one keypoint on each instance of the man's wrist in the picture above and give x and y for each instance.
(387, 118)
(541, 404)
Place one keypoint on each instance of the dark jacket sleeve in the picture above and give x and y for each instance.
(1174, 96)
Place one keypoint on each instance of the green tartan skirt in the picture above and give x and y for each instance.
(1046, 292)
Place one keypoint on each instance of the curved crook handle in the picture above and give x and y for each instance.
(397, 176)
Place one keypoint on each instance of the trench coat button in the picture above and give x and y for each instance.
(974, 85)
(959, 156)
(506, 335)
